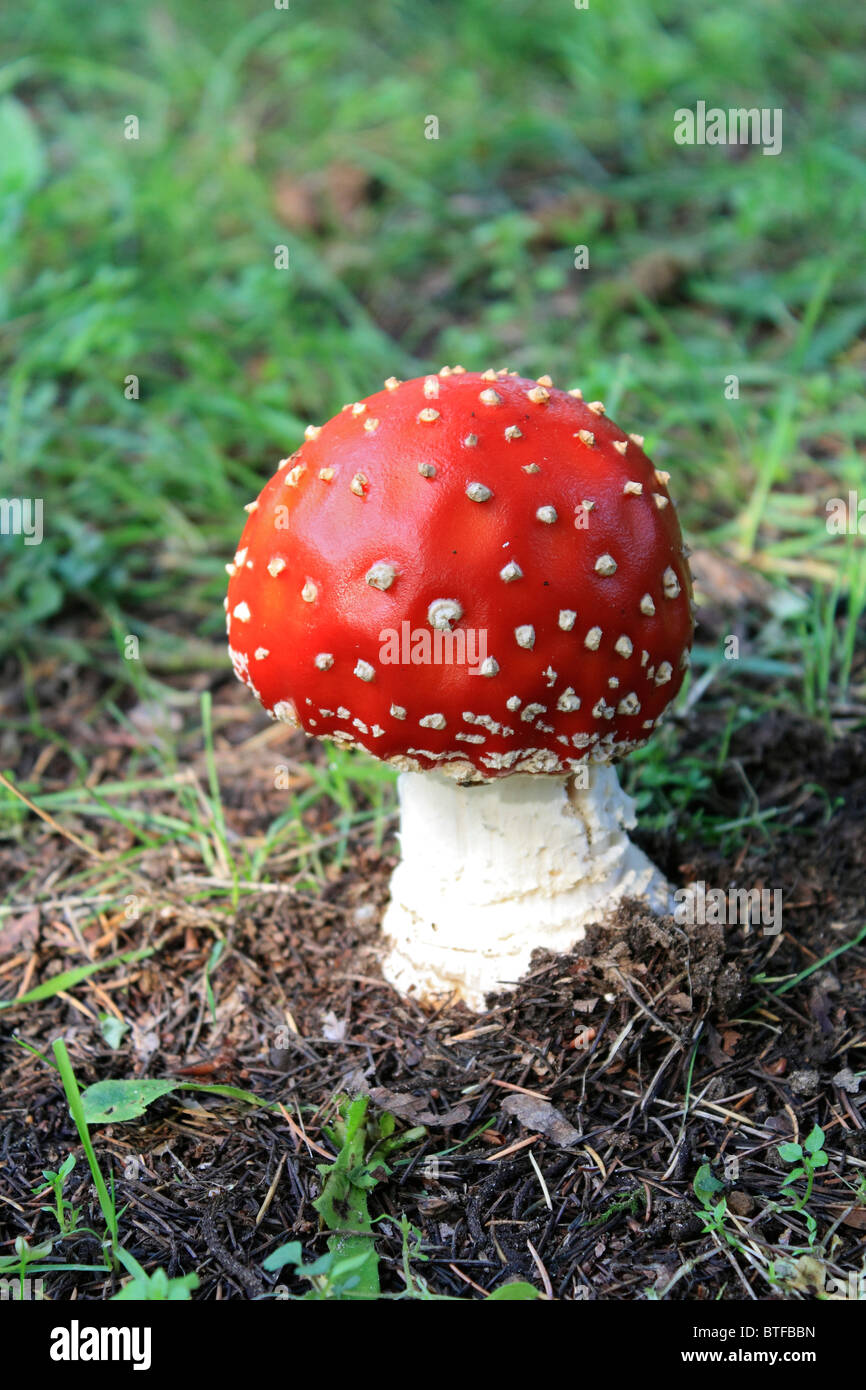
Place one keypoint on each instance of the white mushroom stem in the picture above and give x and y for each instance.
(491, 871)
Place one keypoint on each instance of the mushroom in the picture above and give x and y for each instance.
(491, 594)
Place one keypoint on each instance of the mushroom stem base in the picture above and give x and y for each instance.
(490, 872)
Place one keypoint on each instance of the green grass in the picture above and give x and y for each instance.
(34, 1260)
(155, 258)
(107, 1203)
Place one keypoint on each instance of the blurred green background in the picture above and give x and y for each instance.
(305, 127)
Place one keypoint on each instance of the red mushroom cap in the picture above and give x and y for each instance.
(483, 505)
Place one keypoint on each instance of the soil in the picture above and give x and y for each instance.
(564, 1126)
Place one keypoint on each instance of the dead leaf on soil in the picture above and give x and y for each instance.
(847, 1080)
(806, 1274)
(416, 1109)
(542, 1117)
(333, 1028)
(856, 1219)
(20, 932)
(681, 1002)
(305, 202)
(721, 581)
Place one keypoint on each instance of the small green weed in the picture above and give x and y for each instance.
(67, 1215)
(336, 1276)
(807, 1157)
(152, 1288)
(713, 1213)
(363, 1149)
(76, 1108)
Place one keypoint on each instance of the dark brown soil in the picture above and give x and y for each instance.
(564, 1127)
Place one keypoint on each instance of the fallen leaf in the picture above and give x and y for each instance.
(415, 1109)
(856, 1219)
(846, 1080)
(727, 584)
(20, 932)
(305, 202)
(348, 186)
(458, 1116)
(656, 274)
(542, 1117)
(333, 1028)
(806, 1274)
(295, 203)
(585, 1006)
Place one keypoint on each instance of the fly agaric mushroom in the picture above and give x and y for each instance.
(479, 579)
